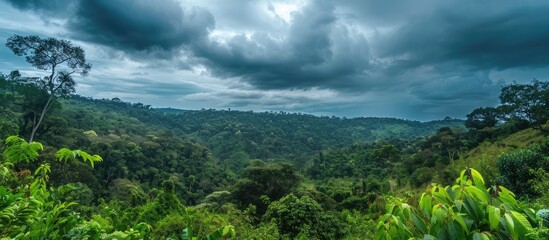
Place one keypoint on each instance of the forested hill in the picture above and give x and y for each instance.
(343, 130)
(290, 135)
(236, 136)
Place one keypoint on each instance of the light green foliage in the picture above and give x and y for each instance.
(19, 150)
(193, 224)
(65, 154)
(170, 226)
(226, 232)
(214, 201)
(90, 133)
(466, 210)
(127, 192)
(358, 225)
(295, 216)
(166, 203)
(31, 210)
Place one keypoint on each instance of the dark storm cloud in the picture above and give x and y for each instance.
(52, 8)
(140, 25)
(126, 24)
(482, 34)
(419, 59)
(315, 50)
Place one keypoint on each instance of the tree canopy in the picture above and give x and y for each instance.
(60, 58)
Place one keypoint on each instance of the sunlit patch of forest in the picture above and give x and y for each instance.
(74, 167)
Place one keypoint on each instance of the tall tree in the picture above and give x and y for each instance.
(481, 118)
(528, 102)
(270, 180)
(60, 58)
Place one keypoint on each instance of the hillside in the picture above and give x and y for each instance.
(235, 137)
(485, 155)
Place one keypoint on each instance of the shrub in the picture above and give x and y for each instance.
(295, 216)
(516, 170)
(466, 210)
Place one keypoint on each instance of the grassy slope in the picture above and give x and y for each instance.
(484, 157)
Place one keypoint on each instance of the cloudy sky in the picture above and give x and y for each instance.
(413, 59)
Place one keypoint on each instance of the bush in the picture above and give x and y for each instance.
(170, 226)
(295, 216)
(517, 170)
(421, 176)
(467, 210)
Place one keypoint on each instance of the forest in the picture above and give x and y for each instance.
(75, 167)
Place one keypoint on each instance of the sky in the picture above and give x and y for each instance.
(410, 59)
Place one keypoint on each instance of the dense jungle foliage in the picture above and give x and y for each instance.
(145, 173)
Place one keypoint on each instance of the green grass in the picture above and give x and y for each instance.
(484, 157)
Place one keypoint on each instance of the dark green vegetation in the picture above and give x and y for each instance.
(213, 174)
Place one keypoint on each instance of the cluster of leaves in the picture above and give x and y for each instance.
(32, 209)
(28, 208)
(294, 216)
(466, 210)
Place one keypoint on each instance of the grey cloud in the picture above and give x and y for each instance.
(126, 24)
(467, 86)
(140, 25)
(241, 15)
(141, 86)
(274, 100)
(376, 13)
(484, 35)
(139, 74)
(315, 51)
(51, 8)
(419, 59)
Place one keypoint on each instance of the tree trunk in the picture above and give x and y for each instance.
(42, 114)
(52, 90)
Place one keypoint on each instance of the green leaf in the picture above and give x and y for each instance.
(477, 178)
(479, 193)
(530, 213)
(510, 225)
(481, 236)
(65, 154)
(19, 150)
(440, 195)
(455, 231)
(419, 223)
(472, 208)
(461, 222)
(426, 205)
(521, 219)
(186, 234)
(429, 237)
(493, 217)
